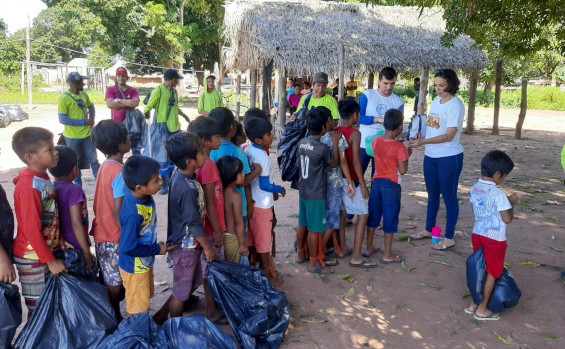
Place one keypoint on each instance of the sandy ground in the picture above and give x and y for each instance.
(388, 307)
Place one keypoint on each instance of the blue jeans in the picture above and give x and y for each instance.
(365, 159)
(84, 147)
(384, 202)
(442, 178)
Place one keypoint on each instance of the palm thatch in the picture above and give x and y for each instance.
(306, 35)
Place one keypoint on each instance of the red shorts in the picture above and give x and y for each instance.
(260, 227)
(494, 251)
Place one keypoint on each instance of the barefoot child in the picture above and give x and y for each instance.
(391, 161)
(73, 212)
(235, 244)
(493, 210)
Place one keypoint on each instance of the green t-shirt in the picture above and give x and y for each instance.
(68, 106)
(326, 101)
(209, 101)
(159, 101)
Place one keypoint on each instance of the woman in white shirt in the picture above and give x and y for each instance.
(443, 160)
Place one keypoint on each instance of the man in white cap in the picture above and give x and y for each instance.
(76, 112)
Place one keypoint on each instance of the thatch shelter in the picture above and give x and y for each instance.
(306, 36)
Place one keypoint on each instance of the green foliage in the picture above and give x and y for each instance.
(12, 97)
(13, 83)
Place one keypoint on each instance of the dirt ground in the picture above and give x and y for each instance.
(388, 307)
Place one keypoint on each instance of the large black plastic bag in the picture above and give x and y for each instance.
(71, 313)
(139, 331)
(287, 150)
(10, 313)
(258, 314)
(196, 332)
(74, 261)
(505, 295)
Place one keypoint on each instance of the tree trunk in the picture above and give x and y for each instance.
(488, 87)
(238, 95)
(523, 108)
(371, 81)
(281, 87)
(253, 92)
(472, 103)
(220, 69)
(267, 78)
(423, 96)
(497, 91)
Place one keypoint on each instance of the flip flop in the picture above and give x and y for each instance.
(441, 246)
(420, 236)
(323, 271)
(365, 264)
(491, 317)
(467, 311)
(367, 255)
(332, 262)
(396, 259)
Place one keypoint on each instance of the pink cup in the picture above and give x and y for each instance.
(436, 235)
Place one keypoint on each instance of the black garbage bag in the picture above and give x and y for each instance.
(10, 313)
(71, 313)
(137, 332)
(196, 332)
(258, 314)
(74, 261)
(287, 150)
(506, 293)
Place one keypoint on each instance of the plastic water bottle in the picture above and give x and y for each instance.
(188, 241)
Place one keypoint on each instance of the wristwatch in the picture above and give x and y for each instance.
(117, 100)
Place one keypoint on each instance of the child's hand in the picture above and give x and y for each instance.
(409, 151)
(243, 250)
(7, 271)
(283, 192)
(275, 196)
(163, 248)
(255, 167)
(210, 255)
(350, 189)
(218, 240)
(57, 267)
(365, 192)
(513, 199)
(88, 260)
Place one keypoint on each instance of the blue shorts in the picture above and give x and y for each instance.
(384, 202)
(312, 215)
(334, 205)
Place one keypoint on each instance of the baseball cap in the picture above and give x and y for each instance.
(321, 77)
(171, 74)
(122, 70)
(75, 77)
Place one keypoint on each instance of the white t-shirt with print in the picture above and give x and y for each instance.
(488, 200)
(263, 199)
(377, 106)
(443, 116)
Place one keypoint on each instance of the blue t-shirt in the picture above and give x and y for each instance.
(230, 149)
(138, 243)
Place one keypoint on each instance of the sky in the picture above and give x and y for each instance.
(15, 12)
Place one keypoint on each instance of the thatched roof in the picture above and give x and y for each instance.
(306, 36)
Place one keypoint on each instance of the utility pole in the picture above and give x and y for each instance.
(28, 63)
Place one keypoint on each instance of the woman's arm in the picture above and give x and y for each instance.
(447, 137)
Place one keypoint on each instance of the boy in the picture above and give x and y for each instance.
(391, 161)
(138, 242)
(7, 271)
(209, 178)
(36, 213)
(356, 205)
(73, 213)
(493, 210)
(314, 156)
(111, 138)
(260, 225)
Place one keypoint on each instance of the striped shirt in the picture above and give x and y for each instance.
(488, 201)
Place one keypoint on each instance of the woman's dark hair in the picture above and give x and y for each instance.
(204, 127)
(68, 159)
(229, 167)
(452, 80)
(225, 119)
(393, 119)
(183, 147)
(347, 108)
(139, 170)
(496, 161)
(107, 136)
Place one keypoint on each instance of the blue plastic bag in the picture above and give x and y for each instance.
(258, 314)
(196, 332)
(505, 295)
(10, 313)
(244, 260)
(139, 331)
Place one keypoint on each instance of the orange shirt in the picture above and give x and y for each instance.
(387, 155)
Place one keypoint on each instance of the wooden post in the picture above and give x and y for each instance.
(341, 86)
(523, 108)
(371, 81)
(65, 75)
(472, 102)
(281, 87)
(423, 98)
(104, 79)
(23, 78)
(253, 92)
(238, 95)
(220, 69)
(497, 91)
(266, 96)
(29, 75)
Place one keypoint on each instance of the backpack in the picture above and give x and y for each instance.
(417, 125)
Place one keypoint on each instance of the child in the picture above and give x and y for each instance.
(260, 225)
(73, 213)
(7, 271)
(209, 178)
(231, 173)
(239, 139)
(493, 210)
(349, 111)
(314, 156)
(36, 213)
(334, 204)
(111, 138)
(138, 242)
(391, 161)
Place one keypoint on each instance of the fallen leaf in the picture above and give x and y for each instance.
(529, 264)
(159, 283)
(369, 288)
(507, 265)
(402, 265)
(439, 288)
(466, 296)
(412, 268)
(351, 280)
(553, 219)
(313, 320)
(442, 263)
(403, 238)
(344, 276)
(502, 339)
(556, 249)
(548, 336)
(349, 293)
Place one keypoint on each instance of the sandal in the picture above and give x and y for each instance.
(323, 271)
(491, 317)
(444, 245)
(332, 262)
(421, 235)
(369, 254)
(367, 264)
(396, 259)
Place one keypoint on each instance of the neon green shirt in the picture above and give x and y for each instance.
(68, 106)
(326, 101)
(209, 101)
(159, 101)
